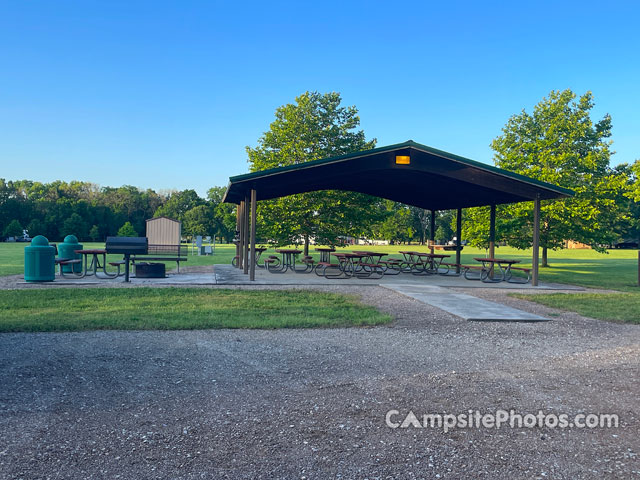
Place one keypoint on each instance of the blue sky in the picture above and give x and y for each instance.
(166, 95)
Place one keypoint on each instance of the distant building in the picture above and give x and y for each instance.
(164, 231)
(576, 245)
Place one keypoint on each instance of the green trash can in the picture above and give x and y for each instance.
(66, 250)
(39, 261)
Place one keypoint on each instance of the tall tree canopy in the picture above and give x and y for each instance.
(560, 144)
(315, 126)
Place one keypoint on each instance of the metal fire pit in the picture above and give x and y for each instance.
(150, 270)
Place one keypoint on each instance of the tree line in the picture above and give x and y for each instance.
(91, 212)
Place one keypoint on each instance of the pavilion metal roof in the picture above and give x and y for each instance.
(434, 179)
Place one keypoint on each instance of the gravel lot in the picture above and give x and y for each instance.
(312, 403)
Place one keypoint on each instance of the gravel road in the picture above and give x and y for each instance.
(312, 403)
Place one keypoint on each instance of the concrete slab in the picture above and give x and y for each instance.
(228, 275)
(465, 306)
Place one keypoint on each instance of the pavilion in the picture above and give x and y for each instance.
(409, 173)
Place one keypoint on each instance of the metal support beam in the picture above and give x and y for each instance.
(254, 199)
(536, 241)
(237, 236)
(492, 232)
(492, 236)
(245, 263)
(241, 242)
(432, 233)
(458, 239)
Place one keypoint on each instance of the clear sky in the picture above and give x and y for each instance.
(167, 95)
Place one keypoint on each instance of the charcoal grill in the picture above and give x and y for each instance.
(127, 246)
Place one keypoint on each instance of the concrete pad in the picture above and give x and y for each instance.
(463, 305)
(229, 275)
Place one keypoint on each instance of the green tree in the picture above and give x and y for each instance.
(75, 225)
(13, 229)
(315, 126)
(94, 233)
(178, 204)
(127, 230)
(634, 190)
(421, 221)
(396, 223)
(199, 221)
(560, 144)
(224, 214)
(36, 227)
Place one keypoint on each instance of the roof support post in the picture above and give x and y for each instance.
(536, 241)
(241, 239)
(237, 237)
(245, 253)
(492, 236)
(458, 239)
(254, 197)
(432, 227)
(492, 232)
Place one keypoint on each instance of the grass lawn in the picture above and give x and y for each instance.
(621, 307)
(57, 310)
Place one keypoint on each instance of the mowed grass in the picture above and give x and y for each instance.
(57, 310)
(620, 307)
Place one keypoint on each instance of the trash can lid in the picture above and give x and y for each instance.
(40, 241)
(70, 239)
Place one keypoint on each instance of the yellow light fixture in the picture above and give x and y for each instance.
(403, 159)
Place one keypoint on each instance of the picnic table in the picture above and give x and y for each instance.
(488, 273)
(431, 262)
(259, 251)
(325, 253)
(372, 261)
(95, 265)
(422, 263)
(348, 262)
(288, 260)
(351, 264)
(411, 259)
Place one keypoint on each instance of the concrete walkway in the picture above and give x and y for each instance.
(464, 306)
